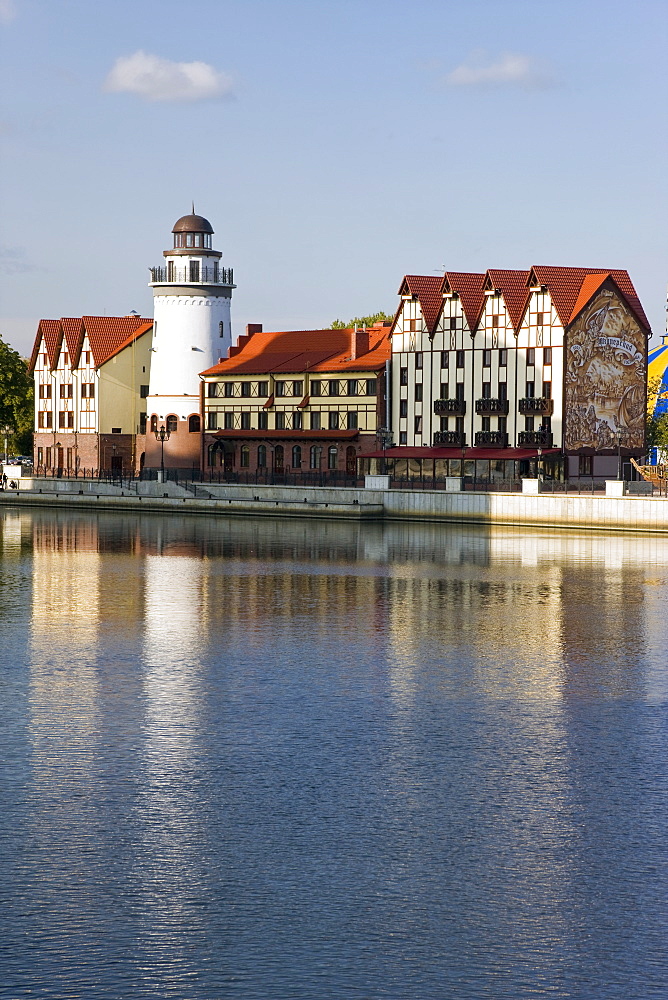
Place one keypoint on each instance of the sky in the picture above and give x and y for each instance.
(334, 147)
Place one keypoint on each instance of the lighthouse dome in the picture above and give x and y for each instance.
(192, 224)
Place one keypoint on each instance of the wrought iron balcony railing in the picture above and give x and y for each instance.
(491, 439)
(537, 404)
(539, 438)
(487, 406)
(453, 439)
(192, 276)
(453, 406)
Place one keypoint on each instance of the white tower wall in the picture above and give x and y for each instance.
(187, 339)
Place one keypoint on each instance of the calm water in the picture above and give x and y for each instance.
(276, 760)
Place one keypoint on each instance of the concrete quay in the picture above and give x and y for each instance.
(605, 513)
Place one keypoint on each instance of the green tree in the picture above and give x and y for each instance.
(16, 399)
(379, 317)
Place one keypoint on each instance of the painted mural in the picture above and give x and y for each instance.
(606, 359)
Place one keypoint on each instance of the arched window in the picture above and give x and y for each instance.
(351, 460)
(221, 328)
(194, 423)
(172, 423)
(315, 456)
(296, 457)
(332, 457)
(154, 422)
(278, 458)
(262, 457)
(245, 456)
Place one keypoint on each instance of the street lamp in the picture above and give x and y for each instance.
(162, 435)
(7, 430)
(618, 435)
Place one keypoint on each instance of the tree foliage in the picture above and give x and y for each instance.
(16, 398)
(379, 317)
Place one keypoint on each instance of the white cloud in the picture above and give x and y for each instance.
(509, 69)
(7, 11)
(157, 79)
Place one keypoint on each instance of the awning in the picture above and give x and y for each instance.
(470, 454)
(292, 435)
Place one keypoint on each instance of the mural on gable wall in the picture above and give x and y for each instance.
(606, 358)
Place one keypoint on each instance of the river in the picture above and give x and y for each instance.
(271, 759)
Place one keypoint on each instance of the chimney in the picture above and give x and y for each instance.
(252, 328)
(359, 343)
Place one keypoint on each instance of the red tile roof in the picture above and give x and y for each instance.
(513, 286)
(297, 351)
(49, 331)
(73, 332)
(470, 288)
(107, 336)
(572, 287)
(428, 291)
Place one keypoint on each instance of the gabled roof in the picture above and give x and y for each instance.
(49, 331)
(471, 290)
(107, 336)
(572, 287)
(73, 332)
(297, 351)
(427, 289)
(513, 287)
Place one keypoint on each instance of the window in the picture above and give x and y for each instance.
(443, 424)
(547, 390)
(87, 357)
(315, 422)
(316, 388)
(403, 376)
(530, 390)
(403, 407)
(116, 430)
(371, 386)
(244, 460)
(198, 239)
(44, 419)
(333, 420)
(332, 456)
(296, 457)
(66, 391)
(403, 437)
(297, 420)
(487, 390)
(486, 359)
(48, 458)
(418, 392)
(496, 320)
(229, 389)
(194, 270)
(246, 421)
(547, 355)
(45, 391)
(333, 387)
(87, 390)
(503, 424)
(65, 420)
(262, 456)
(585, 465)
(228, 420)
(460, 359)
(298, 387)
(189, 240)
(212, 389)
(418, 425)
(503, 357)
(245, 389)
(352, 386)
(262, 420)
(453, 322)
(418, 359)
(66, 359)
(445, 388)
(279, 388)
(486, 423)
(531, 356)
(459, 391)
(539, 319)
(314, 457)
(528, 423)
(503, 390)
(143, 392)
(279, 422)
(221, 329)
(172, 423)
(142, 423)
(40, 456)
(154, 422)
(351, 420)
(211, 421)
(445, 359)
(263, 389)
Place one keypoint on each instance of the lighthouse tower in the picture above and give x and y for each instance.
(192, 295)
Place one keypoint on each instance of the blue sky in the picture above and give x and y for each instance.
(334, 146)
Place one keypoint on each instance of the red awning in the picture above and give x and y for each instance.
(293, 435)
(470, 454)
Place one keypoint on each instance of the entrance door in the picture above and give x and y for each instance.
(228, 462)
(61, 458)
(278, 458)
(117, 465)
(351, 461)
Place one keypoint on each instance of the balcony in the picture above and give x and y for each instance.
(491, 439)
(535, 439)
(456, 407)
(194, 276)
(487, 407)
(451, 439)
(538, 405)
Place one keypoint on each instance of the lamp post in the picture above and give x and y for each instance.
(618, 435)
(7, 430)
(162, 435)
(539, 463)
